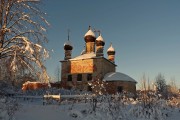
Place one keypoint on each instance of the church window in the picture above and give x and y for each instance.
(79, 77)
(69, 77)
(89, 77)
(89, 88)
(119, 89)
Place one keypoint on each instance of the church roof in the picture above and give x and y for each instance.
(117, 76)
(90, 32)
(89, 56)
(85, 56)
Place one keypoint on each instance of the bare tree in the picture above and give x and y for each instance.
(22, 37)
(172, 87)
(146, 92)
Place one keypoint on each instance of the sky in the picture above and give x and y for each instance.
(144, 33)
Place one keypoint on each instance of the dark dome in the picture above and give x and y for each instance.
(68, 46)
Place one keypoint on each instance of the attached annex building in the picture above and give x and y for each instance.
(92, 65)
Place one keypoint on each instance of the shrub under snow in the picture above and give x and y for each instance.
(8, 107)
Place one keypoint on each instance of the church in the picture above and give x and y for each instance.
(91, 65)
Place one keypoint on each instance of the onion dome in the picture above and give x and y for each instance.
(68, 46)
(89, 36)
(100, 41)
(111, 50)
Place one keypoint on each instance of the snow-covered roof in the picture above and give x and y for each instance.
(68, 43)
(117, 76)
(111, 48)
(100, 38)
(90, 32)
(85, 56)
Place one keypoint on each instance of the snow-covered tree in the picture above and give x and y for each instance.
(98, 86)
(161, 84)
(57, 74)
(22, 38)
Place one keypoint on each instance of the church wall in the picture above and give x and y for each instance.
(103, 66)
(97, 67)
(65, 68)
(82, 66)
(112, 87)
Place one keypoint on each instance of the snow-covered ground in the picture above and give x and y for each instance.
(35, 110)
(106, 107)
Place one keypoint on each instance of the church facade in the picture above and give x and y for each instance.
(91, 65)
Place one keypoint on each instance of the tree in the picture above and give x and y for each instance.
(57, 74)
(98, 86)
(22, 37)
(146, 93)
(172, 87)
(160, 84)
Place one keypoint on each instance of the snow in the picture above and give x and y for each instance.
(117, 76)
(100, 38)
(39, 47)
(46, 53)
(13, 63)
(107, 107)
(85, 56)
(40, 112)
(35, 110)
(111, 48)
(90, 32)
(68, 43)
(83, 52)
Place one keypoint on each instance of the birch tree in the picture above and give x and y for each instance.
(22, 38)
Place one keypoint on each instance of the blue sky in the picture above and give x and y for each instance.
(144, 33)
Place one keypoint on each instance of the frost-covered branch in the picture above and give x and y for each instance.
(22, 37)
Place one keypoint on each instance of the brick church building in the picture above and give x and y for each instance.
(91, 65)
